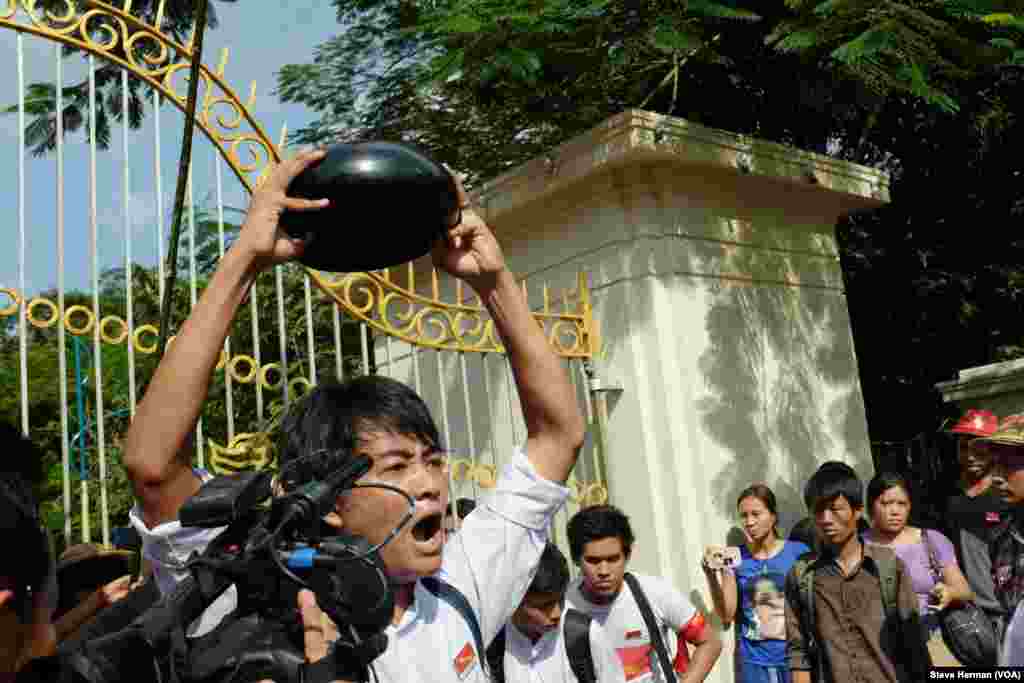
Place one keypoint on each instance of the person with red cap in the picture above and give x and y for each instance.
(1006, 448)
(978, 512)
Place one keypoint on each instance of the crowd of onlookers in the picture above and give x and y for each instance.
(484, 594)
(856, 593)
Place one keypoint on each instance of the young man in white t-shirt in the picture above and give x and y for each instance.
(492, 559)
(534, 647)
(601, 541)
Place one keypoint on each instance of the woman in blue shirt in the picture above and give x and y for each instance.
(751, 593)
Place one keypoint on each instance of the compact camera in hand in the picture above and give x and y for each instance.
(723, 558)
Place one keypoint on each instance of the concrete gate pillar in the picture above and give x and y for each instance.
(716, 281)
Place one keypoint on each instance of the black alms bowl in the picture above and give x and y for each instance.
(389, 204)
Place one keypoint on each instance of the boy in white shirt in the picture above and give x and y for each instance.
(601, 541)
(543, 642)
(491, 561)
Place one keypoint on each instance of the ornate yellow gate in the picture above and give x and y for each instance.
(411, 324)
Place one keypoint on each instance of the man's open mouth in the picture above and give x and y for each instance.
(427, 528)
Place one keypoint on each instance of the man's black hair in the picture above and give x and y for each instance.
(552, 572)
(323, 428)
(597, 522)
(463, 506)
(833, 479)
(805, 531)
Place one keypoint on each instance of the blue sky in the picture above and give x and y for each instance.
(260, 42)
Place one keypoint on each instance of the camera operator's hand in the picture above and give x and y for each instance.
(319, 631)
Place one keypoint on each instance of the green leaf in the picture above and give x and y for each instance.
(825, 9)
(707, 8)
(866, 44)
(54, 519)
(797, 41)
(1004, 43)
(669, 39)
(462, 23)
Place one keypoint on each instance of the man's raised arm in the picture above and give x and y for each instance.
(554, 425)
(171, 406)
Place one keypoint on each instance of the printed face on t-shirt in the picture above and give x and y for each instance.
(603, 564)
(769, 608)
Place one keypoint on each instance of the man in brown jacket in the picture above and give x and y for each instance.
(839, 626)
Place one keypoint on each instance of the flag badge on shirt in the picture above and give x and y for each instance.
(992, 517)
(464, 661)
(633, 635)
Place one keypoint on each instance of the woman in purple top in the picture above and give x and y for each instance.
(938, 582)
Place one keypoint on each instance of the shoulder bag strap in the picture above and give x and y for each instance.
(454, 597)
(652, 626)
(577, 646)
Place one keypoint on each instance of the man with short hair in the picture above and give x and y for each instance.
(543, 641)
(450, 598)
(978, 513)
(851, 612)
(601, 543)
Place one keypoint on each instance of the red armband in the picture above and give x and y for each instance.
(691, 633)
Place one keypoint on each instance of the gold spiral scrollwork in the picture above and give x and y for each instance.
(113, 339)
(15, 296)
(487, 476)
(251, 366)
(77, 330)
(433, 323)
(114, 34)
(265, 373)
(300, 386)
(246, 452)
(118, 36)
(137, 338)
(48, 305)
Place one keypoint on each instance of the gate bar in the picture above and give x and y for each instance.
(126, 190)
(23, 317)
(97, 350)
(192, 288)
(229, 402)
(62, 360)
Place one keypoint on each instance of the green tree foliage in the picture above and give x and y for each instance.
(488, 85)
(43, 366)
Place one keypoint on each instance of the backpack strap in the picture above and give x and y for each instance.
(803, 571)
(577, 645)
(453, 596)
(652, 626)
(888, 570)
(496, 657)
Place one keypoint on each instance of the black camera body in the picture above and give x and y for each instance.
(272, 548)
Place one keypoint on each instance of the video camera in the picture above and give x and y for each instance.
(270, 553)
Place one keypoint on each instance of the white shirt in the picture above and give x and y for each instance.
(492, 561)
(547, 660)
(624, 625)
(1012, 653)
(168, 547)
